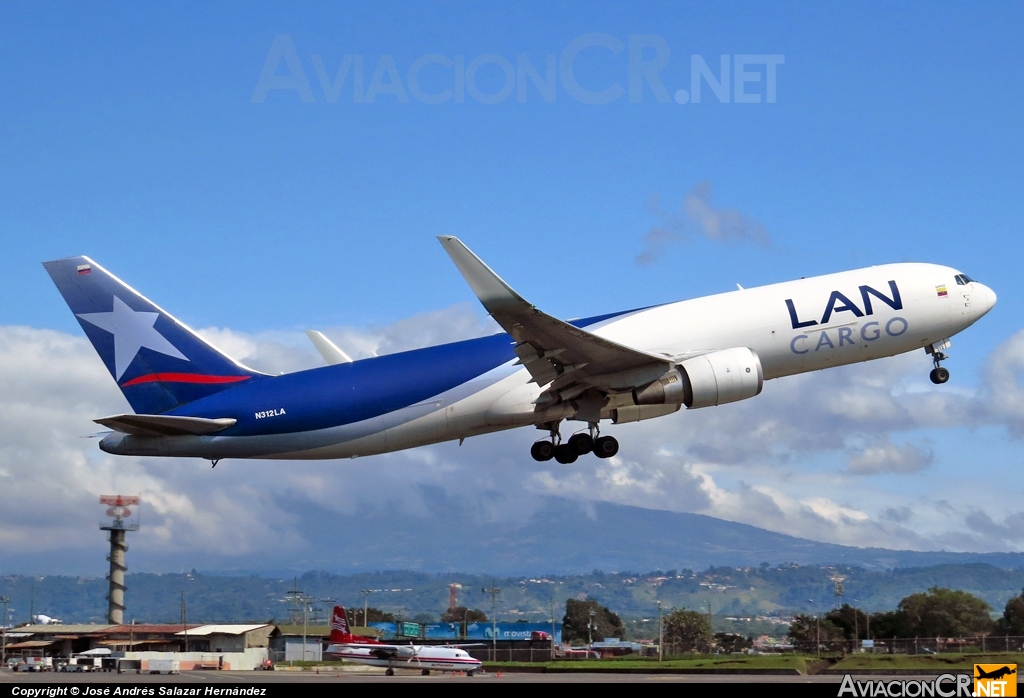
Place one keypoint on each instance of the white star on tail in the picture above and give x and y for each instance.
(132, 330)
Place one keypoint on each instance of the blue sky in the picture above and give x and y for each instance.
(131, 133)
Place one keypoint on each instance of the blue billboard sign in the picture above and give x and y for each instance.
(511, 631)
(475, 631)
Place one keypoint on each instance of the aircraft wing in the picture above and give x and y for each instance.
(567, 359)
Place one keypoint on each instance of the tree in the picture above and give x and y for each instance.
(461, 614)
(852, 621)
(806, 630)
(889, 624)
(687, 630)
(578, 617)
(945, 613)
(733, 642)
(1012, 622)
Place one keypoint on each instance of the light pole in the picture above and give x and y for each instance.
(184, 618)
(551, 653)
(590, 633)
(3, 629)
(305, 623)
(366, 604)
(493, 591)
(817, 624)
(661, 633)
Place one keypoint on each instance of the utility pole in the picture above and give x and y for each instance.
(3, 629)
(493, 591)
(711, 632)
(31, 602)
(305, 623)
(297, 596)
(661, 634)
(330, 604)
(817, 623)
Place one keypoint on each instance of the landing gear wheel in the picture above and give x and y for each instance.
(606, 447)
(426, 672)
(470, 673)
(542, 450)
(582, 444)
(939, 375)
(565, 454)
(389, 672)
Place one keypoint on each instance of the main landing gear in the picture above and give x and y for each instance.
(938, 374)
(578, 445)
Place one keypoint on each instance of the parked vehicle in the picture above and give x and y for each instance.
(164, 666)
(126, 665)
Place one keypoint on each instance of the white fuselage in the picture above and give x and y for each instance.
(757, 318)
(416, 657)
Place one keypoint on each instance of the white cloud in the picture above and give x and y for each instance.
(887, 457)
(776, 461)
(701, 218)
(1005, 381)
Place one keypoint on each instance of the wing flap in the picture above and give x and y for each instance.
(164, 425)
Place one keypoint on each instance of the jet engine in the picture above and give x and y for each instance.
(707, 380)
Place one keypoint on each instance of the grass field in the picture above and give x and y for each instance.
(748, 663)
(938, 662)
(770, 663)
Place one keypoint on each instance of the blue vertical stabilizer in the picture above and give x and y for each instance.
(158, 362)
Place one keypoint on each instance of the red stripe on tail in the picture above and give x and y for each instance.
(183, 378)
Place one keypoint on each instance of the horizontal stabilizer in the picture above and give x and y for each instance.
(161, 425)
(328, 349)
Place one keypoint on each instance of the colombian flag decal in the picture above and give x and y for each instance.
(941, 291)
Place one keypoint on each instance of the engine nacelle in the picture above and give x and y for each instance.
(721, 376)
(706, 380)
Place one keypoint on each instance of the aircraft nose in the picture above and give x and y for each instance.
(988, 298)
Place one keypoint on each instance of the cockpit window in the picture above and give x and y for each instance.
(963, 279)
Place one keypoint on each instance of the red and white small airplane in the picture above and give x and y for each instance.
(372, 652)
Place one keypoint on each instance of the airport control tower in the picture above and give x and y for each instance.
(122, 520)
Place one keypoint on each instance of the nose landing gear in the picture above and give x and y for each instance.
(938, 374)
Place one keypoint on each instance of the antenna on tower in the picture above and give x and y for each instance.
(453, 596)
(837, 588)
(122, 519)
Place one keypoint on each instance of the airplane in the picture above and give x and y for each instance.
(372, 652)
(995, 673)
(192, 400)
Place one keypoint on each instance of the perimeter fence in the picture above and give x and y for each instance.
(911, 645)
